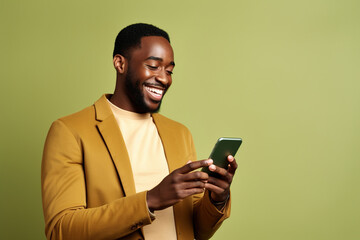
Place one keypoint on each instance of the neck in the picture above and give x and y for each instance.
(119, 98)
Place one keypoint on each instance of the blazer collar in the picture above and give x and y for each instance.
(102, 108)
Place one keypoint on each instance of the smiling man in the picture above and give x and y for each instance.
(137, 89)
(119, 170)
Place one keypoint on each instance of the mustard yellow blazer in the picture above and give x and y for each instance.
(88, 189)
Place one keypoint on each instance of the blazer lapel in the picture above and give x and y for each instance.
(114, 141)
(169, 143)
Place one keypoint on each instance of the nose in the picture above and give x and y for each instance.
(163, 77)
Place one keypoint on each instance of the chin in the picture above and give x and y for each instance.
(154, 109)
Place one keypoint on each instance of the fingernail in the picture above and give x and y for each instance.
(209, 161)
(212, 167)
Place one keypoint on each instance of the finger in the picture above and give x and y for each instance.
(194, 176)
(232, 165)
(193, 184)
(224, 174)
(194, 165)
(191, 191)
(219, 182)
(230, 158)
(215, 189)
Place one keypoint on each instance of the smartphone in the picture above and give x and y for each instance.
(222, 149)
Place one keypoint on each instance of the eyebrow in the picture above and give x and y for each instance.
(159, 59)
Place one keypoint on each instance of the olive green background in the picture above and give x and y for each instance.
(283, 75)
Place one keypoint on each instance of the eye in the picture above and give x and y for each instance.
(169, 72)
(152, 67)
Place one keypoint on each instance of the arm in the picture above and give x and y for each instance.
(217, 190)
(207, 217)
(64, 195)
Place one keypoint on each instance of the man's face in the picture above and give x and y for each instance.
(148, 74)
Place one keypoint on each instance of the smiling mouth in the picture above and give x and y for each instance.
(155, 93)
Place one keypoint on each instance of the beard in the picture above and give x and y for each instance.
(133, 89)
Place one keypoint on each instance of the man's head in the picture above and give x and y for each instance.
(144, 62)
(130, 37)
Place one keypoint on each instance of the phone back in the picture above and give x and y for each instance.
(223, 148)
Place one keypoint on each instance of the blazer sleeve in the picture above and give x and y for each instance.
(207, 218)
(64, 195)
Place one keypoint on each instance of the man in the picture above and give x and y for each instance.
(119, 170)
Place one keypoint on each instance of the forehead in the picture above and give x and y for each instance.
(154, 46)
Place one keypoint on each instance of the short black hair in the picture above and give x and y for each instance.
(130, 37)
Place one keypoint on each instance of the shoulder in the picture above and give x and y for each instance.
(85, 115)
(76, 124)
(90, 115)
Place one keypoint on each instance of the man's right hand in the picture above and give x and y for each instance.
(179, 184)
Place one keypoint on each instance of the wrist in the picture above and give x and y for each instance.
(217, 202)
(149, 202)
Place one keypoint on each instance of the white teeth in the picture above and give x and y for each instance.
(155, 90)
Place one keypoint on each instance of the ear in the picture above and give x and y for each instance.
(119, 62)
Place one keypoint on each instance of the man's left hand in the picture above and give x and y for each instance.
(220, 187)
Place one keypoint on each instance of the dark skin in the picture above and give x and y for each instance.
(149, 69)
(151, 65)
